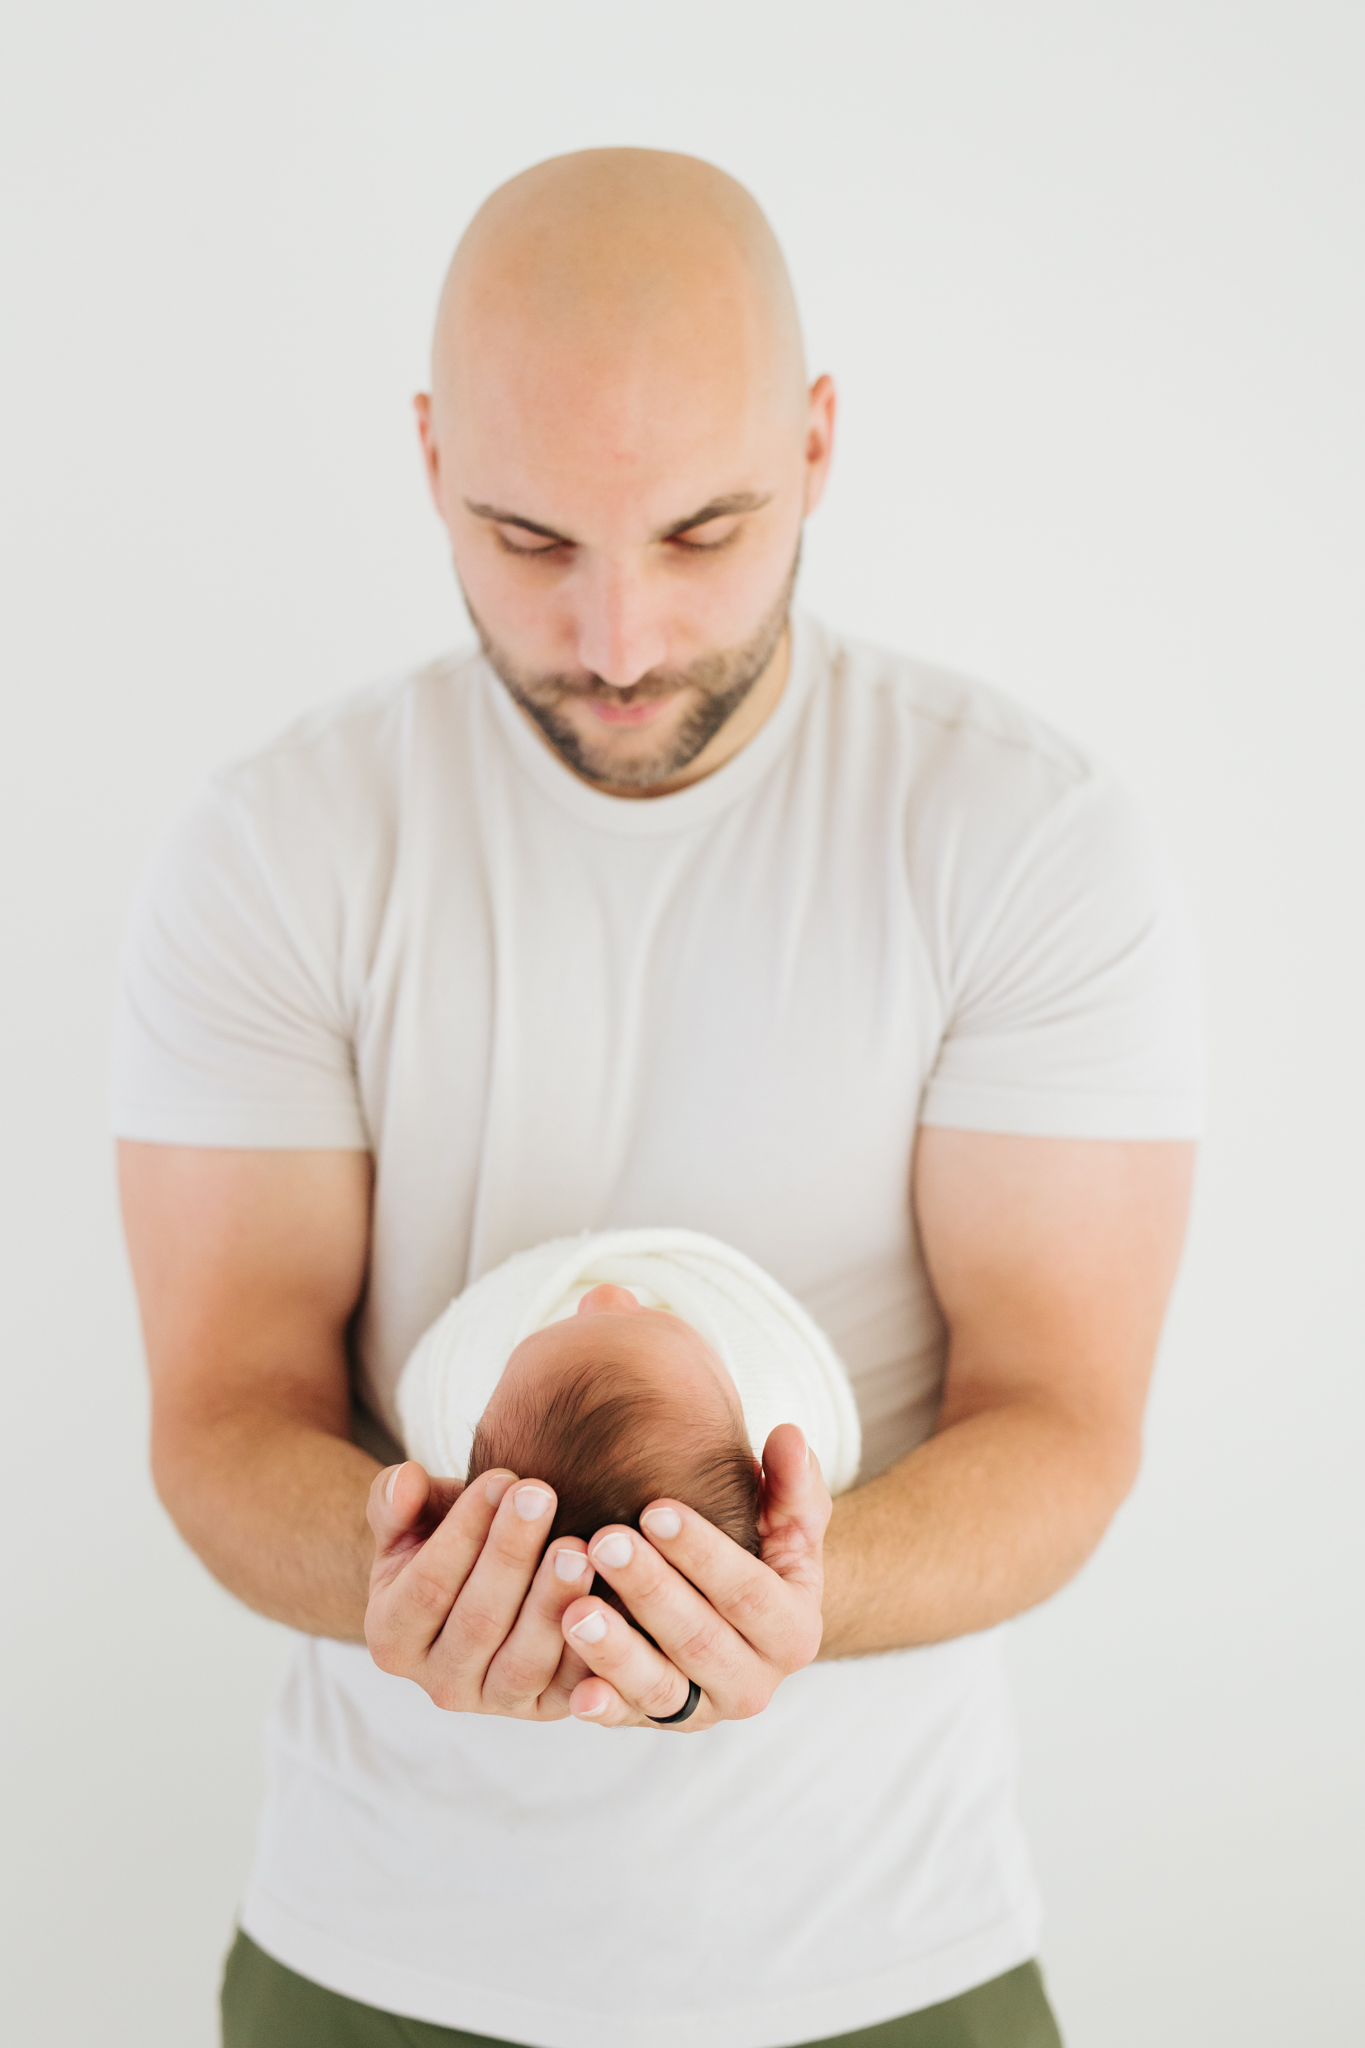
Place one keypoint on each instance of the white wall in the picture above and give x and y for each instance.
(1090, 278)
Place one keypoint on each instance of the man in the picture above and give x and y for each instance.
(665, 908)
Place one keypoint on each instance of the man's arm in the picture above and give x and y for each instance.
(1052, 1260)
(248, 1267)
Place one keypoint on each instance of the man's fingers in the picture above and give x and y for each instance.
(457, 1601)
(594, 1700)
(688, 1628)
(796, 1509)
(490, 1599)
(641, 1680)
(794, 1487)
(408, 1610)
(397, 1497)
(534, 1665)
(404, 1506)
(774, 1612)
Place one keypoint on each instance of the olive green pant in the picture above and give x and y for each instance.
(267, 2006)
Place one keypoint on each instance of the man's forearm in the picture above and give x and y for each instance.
(275, 1507)
(976, 1524)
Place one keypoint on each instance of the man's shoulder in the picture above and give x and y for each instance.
(323, 806)
(937, 721)
(976, 785)
(357, 742)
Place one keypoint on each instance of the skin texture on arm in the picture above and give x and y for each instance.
(1053, 1260)
(248, 1267)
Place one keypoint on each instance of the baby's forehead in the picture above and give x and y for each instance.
(653, 1353)
(642, 1337)
(650, 1355)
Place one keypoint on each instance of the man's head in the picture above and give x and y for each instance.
(622, 446)
(615, 1407)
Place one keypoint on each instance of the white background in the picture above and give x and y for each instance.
(1089, 277)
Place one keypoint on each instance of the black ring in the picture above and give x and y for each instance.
(689, 1706)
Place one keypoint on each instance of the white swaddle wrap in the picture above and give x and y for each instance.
(782, 1363)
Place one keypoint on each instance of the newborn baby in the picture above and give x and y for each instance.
(622, 1366)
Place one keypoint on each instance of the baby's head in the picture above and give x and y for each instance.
(615, 1407)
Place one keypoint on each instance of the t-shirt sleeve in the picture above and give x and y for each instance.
(231, 1029)
(1071, 983)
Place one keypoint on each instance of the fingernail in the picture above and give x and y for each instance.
(393, 1481)
(570, 1564)
(614, 1550)
(586, 1713)
(495, 1486)
(531, 1502)
(591, 1628)
(662, 1522)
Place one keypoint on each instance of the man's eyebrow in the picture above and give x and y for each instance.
(502, 518)
(717, 508)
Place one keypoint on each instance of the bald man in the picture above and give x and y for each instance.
(662, 906)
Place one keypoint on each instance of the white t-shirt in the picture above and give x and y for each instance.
(406, 926)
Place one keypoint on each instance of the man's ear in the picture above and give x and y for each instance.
(819, 440)
(431, 456)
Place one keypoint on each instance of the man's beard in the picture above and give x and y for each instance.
(718, 683)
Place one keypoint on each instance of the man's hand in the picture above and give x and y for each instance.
(736, 1625)
(461, 1600)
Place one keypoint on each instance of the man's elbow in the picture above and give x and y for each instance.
(202, 1452)
(1107, 1462)
(182, 1455)
(1123, 1463)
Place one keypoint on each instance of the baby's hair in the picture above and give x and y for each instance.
(609, 1444)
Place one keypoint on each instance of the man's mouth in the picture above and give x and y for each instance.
(626, 714)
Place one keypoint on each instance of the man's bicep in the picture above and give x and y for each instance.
(248, 1266)
(1052, 1260)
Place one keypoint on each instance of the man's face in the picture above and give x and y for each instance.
(625, 523)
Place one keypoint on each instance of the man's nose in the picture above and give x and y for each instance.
(620, 632)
